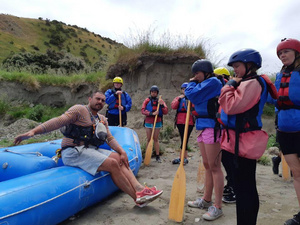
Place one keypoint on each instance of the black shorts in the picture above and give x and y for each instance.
(289, 142)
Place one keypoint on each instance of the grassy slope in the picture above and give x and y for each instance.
(18, 33)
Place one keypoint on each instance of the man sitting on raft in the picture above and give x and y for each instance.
(84, 129)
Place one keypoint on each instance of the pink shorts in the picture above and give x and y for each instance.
(207, 136)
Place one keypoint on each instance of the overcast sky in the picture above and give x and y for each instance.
(225, 25)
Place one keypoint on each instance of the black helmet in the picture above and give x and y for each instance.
(154, 88)
(202, 65)
(246, 55)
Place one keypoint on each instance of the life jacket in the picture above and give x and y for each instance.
(152, 106)
(249, 120)
(289, 91)
(115, 103)
(246, 121)
(182, 107)
(91, 135)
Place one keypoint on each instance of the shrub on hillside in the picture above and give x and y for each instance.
(50, 62)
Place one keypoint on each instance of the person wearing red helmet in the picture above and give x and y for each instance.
(288, 105)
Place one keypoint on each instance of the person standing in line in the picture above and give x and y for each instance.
(80, 147)
(203, 91)
(112, 99)
(180, 105)
(228, 191)
(288, 105)
(242, 100)
(149, 109)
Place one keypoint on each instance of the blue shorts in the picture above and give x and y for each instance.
(150, 125)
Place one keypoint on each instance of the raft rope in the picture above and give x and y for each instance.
(21, 153)
(85, 184)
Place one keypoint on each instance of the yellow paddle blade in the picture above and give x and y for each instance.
(177, 199)
(148, 153)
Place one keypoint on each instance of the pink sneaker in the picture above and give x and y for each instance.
(147, 195)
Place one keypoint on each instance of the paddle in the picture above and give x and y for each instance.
(120, 113)
(177, 198)
(150, 144)
(286, 174)
(200, 177)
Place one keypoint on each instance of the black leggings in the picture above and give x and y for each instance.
(226, 161)
(247, 201)
(181, 132)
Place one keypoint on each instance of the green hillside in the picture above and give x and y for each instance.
(39, 35)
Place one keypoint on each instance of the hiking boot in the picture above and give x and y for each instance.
(229, 198)
(176, 161)
(276, 160)
(294, 221)
(147, 195)
(228, 190)
(199, 203)
(212, 213)
(158, 159)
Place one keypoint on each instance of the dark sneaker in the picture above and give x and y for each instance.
(229, 198)
(158, 159)
(276, 160)
(294, 221)
(227, 190)
(186, 161)
(176, 161)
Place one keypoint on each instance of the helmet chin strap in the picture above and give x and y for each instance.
(247, 71)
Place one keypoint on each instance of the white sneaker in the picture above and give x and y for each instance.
(212, 213)
(199, 203)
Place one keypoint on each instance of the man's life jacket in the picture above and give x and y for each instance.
(92, 135)
(152, 106)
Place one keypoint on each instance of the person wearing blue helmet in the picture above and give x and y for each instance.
(179, 104)
(203, 91)
(242, 100)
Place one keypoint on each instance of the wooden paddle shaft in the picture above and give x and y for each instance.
(155, 119)
(150, 144)
(186, 127)
(120, 112)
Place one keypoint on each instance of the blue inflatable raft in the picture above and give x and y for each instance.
(36, 190)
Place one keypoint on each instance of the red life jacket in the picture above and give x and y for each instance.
(284, 101)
